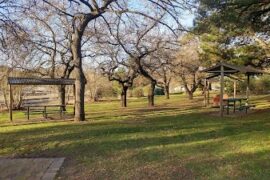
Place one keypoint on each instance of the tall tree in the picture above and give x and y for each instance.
(244, 13)
(235, 31)
(188, 64)
(138, 43)
(123, 75)
(164, 68)
(85, 13)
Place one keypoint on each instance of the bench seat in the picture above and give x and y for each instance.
(45, 111)
(246, 107)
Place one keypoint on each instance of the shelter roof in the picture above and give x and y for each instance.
(39, 81)
(232, 69)
(227, 75)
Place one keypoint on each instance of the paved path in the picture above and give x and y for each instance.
(30, 168)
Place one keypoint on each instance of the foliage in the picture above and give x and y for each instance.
(251, 14)
(159, 91)
(258, 85)
(227, 33)
(137, 92)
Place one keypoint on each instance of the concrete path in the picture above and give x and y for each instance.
(30, 168)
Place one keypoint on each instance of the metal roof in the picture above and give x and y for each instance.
(39, 81)
(227, 75)
(231, 69)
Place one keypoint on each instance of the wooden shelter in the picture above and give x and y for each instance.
(213, 76)
(36, 81)
(223, 69)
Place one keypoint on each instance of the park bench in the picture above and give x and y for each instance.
(246, 107)
(45, 110)
(231, 103)
(35, 101)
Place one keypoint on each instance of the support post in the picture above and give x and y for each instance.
(61, 111)
(234, 89)
(28, 112)
(10, 102)
(45, 112)
(204, 92)
(248, 86)
(208, 93)
(74, 95)
(221, 89)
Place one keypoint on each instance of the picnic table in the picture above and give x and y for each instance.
(232, 102)
(36, 109)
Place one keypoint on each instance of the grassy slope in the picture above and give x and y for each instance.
(177, 139)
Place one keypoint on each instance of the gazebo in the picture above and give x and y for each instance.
(212, 78)
(36, 81)
(223, 69)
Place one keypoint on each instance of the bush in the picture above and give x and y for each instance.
(137, 92)
(159, 91)
(260, 85)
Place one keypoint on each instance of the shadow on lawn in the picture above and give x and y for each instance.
(204, 145)
(103, 138)
(142, 113)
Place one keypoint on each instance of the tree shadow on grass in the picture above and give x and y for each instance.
(114, 136)
(239, 165)
(195, 140)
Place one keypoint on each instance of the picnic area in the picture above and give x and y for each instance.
(134, 89)
(176, 139)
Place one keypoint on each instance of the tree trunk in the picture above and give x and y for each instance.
(5, 99)
(188, 91)
(79, 76)
(20, 101)
(62, 93)
(167, 91)
(151, 94)
(124, 97)
(190, 95)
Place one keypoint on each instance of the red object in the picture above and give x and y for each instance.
(216, 99)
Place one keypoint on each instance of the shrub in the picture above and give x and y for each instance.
(137, 92)
(159, 91)
(258, 85)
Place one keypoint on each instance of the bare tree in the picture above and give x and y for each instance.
(82, 14)
(146, 44)
(164, 79)
(123, 73)
(164, 69)
(96, 82)
(188, 64)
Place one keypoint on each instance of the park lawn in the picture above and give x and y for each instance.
(178, 139)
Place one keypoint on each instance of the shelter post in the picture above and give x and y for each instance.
(234, 89)
(248, 85)
(208, 93)
(74, 96)
(204, 92)
(221, 89)
(10, 102)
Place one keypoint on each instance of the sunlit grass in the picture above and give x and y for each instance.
(178, 139)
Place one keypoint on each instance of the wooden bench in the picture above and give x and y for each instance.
(35, 101)
(227, 107)
(43, 109)
(246, 107)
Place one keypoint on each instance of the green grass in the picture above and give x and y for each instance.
(178, 139)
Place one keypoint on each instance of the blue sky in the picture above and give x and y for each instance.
(187, 19)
